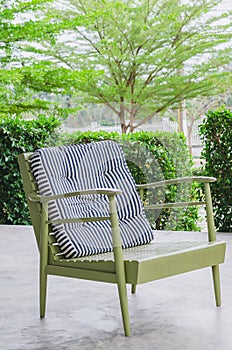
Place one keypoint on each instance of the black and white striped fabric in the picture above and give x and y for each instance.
(94, 165)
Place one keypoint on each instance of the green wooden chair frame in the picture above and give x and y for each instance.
(122, 266)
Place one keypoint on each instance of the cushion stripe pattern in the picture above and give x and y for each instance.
(64, 169)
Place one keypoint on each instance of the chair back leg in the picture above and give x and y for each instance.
(133, 288)
(217, 284)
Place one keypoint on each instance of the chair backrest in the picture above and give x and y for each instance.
(94, 165)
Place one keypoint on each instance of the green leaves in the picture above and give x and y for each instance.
(150, 156)
(153, 157)
(216, 132)
(22, 79)
(111, 52)
(139, 48)
(18, 136)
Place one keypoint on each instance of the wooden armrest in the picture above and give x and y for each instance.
(43, 199)
(179, 180)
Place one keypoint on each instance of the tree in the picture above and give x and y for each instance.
(26, 80)
(130, 53)
(197, 108)
(12, 91)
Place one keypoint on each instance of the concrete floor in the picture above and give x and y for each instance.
(170, 314)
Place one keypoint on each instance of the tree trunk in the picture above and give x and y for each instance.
(124, 127)
(122, 116)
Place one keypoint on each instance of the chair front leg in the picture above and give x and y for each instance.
(119, 265)
(43, 258)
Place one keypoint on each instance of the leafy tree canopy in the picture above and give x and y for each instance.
(23, 78)
(138, 57)
(139, 50)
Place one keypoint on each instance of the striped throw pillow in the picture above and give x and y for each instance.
(94, 165)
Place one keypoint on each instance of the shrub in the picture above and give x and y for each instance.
(150, 156)
(153, 157)
(216, 133)
(17, 136)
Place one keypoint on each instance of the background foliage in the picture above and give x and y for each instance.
(18, 136)
(150, 156)
(155, 157)
(216, 132)
(139, 58)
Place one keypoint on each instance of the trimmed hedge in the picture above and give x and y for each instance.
(154, 157)
(216, 133)
(17, 136)
(150, 156)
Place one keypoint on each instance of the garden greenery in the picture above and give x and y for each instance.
(216, 132)
(154, 157)
(18, 136)
(150, 157)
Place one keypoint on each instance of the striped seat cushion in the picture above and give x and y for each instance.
(71, 168)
